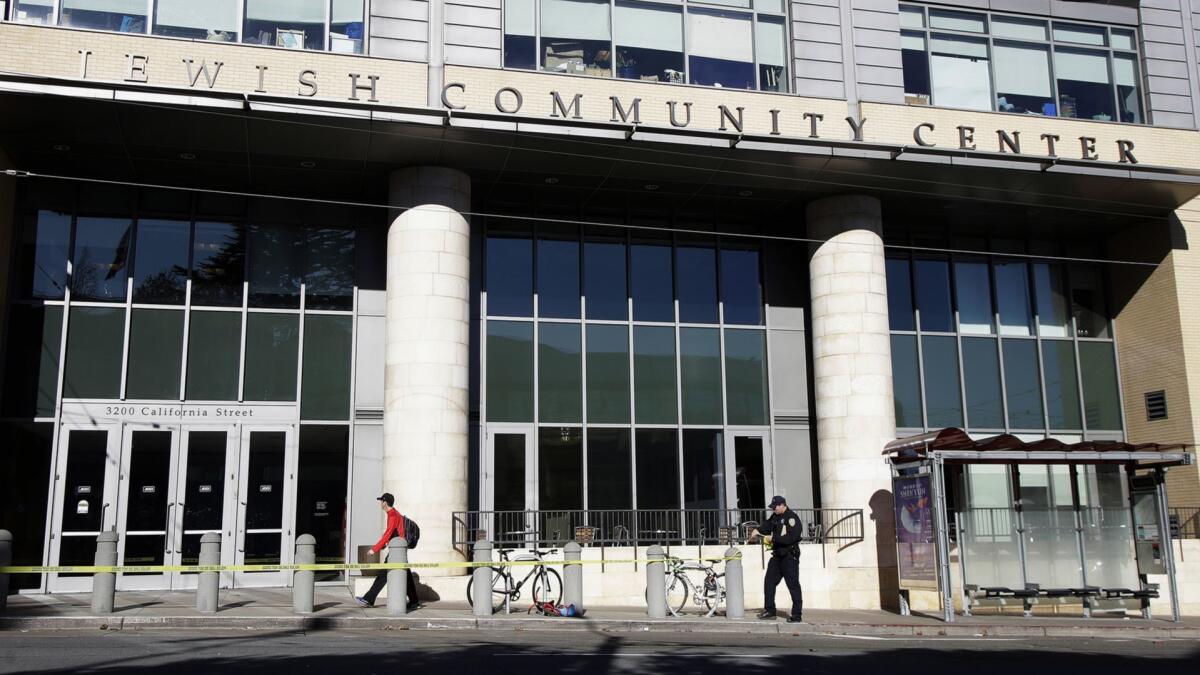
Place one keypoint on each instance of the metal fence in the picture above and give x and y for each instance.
(641, 527)
(1185, 522)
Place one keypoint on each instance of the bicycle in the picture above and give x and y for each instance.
(679, 586)
(547, 584)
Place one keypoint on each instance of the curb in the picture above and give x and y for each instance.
(315, 623)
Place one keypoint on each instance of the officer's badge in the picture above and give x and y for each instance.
(791, 522)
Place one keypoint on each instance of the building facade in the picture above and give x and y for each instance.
(264, 260)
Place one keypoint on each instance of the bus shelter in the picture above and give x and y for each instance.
(1033, 523)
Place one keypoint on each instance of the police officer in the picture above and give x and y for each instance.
(784, 528)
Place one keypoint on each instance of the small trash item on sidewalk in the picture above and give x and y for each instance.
(551, 609)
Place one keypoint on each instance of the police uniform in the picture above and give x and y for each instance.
(785, 530)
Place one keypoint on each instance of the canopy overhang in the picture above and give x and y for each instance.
(955, 446)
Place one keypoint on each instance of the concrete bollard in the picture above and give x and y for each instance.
(6, 539)
(304, 580)
(208, 585)
(656, 587)
(104, 584)
(573, 576)
(735, 586)
(397, 580)
(482, 580)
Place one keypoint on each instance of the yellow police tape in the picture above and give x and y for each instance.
(322, 567)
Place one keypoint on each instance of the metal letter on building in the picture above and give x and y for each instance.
(137, 68)
(355, 87)
(966, 138)
(446, 98)
(500, 104)
(635, 110)
(917, 134)
(687, 107)
(1013, 143)
(856, 126)
(308, 78)
(193, 78)
(1088, 145)
(726, 115)
(557, 106)
(1050, 139)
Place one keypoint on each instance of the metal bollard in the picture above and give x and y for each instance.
(303, 580)
(656, 587)
(573, 577)
(6, 539)
(735, 587)
(209, 582)
(482, 580)
(397, 580)
(104, 584)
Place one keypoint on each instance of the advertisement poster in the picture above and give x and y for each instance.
(915, 550)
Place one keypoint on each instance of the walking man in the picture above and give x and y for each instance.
(394, 528)
(783, 529)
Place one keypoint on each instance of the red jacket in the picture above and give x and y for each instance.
(395, 525)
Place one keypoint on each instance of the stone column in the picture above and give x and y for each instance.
(426, 354)
(852, 369)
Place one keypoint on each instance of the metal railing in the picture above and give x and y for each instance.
(1186, 519)
(641, 527)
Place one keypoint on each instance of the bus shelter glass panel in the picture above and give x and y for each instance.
(1107, 526)
(1051, 547)
(987, 529)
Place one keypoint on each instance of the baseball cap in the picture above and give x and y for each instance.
(386, 497)
(777, 500)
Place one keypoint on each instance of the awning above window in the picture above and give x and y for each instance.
(955, 445)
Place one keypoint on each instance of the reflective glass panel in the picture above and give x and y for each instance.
(1051, 293)
(520, 35)
(1023, 385)
(214, 20)
(126, 16)
(906, 382)
(218, 264)
(720, 48)
(329, 268)
(1024, 29)
(94, 344)
(39, 12)
(264, 489)
(610, 481)
(147, 486)
(1087, 298)
(298, 24)
(604, 280)
(746, 377)
(1107, 526)
(653, 291)
(204, 482)
(155, 354)
(915, 59)
(961, 76)
(899, 287)
(576, 37)
(700, 370)
(696, 284)
(649, 42)
(560, 477)
(509, 276)
(703, 470)
(508, 456)
(654, 374)
(960, 21)
(325, 382)
(1023, 82)
(560, 375)
(770, 46)
(1062, 387)
(160, 266)
(987, 523)
(657, 470)
(558, 278)
(974, 290)
(1101, 395)
(214, 348)
(101, 258)
(83, 495)
(1129, 97)
(981, 372)
(321, 491)
(943, 402)
(741, 286)
(1085, 88)
(607, 374)
(30, 382)
(43, 255)
(272, 343)
(276, 264)
(346, 27)
(25, 496)
(1080, 34)
(1051, 547)
(933, 295)
(509, 371)
(1012, 298)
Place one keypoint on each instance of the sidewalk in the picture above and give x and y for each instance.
(271, 609)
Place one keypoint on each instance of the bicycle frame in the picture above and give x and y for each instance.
(504, 570)
(678, 569)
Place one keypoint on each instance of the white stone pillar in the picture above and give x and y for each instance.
(426, 354)
(852, 368)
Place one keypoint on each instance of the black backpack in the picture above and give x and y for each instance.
(412, 532)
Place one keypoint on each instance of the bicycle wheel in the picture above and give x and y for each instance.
(547, 586)
(501, 589)
(713, 597)
(677, 589)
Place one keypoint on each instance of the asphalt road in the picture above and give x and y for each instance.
(470, 653)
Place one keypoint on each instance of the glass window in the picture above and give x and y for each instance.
(322, 470)
(915, 60)
(520, 41)
(1129, 98)
(558, 278)
(961, 76)
(770, 45)
(912, 17)
(700, 370)
(1087, 298)
(607, 374)
(974, 290)
(609, 470)
(95, 337)
(214, 348)
(721, 49)
(1023, 385)
(210, 20)
(654, 375)
(297, 24)
(703, 470)
(1062, 387)
(746, 376)
(101, 258)
(509, 276)
(560, 475)
(1022, 29)
(272, 343)
(933, 295)
(943, 401)
(155, 354)
(741, 286)
(696, 284)
(604, 280)
(1051, 290)
(981, 373)
(160, 265)
(32, 357)
(34, 11)
(649, 42)
(276, 264)
(218, 264)
(560, 376)
(325, 392)
(959, 21)
(346, 27)
(653, 292)
(899, 287)
(23, 498)
(1108, 532)
(906, 382)
(126, 16)
(1101, 394)
(1051, 546)
(42, 262)
(329, 268)
(1084, 86)
(1012, 297)
(1123, 39)
(576, 37)
(509, 371)
(1079, 34)
(1023, 79)
(657, 469)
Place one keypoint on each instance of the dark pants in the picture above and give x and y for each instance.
(381, 581)
(788, 569)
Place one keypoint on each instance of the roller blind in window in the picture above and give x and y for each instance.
(648, 27)
(346, 11)
(1081, 66)
(1022, 69)
(769, 42)
(291, 11)
(518, 17)
(35, 3)
(133, 7)
(208, 15)
(720, 35)
(578, 19)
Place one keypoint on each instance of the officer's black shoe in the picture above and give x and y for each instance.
(767, 614)
(795, 618)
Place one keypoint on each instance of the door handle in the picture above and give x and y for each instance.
(170, 512)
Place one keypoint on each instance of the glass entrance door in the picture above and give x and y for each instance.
(145, 505)
(749, 474)
(85, 486)
(204, 491)
(510, 485)
(266, 479)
